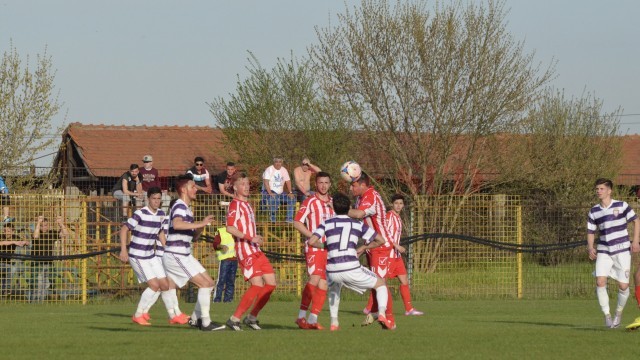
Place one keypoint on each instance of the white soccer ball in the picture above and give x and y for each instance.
(350, 171)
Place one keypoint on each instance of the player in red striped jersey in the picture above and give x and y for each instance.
(371, 209)
(241, 223)
(313, 211)
(396, 263)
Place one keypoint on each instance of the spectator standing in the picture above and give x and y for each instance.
(8, 243)
(226, 253)
(276, 189)
(151, 178)
(45, 241)
(302, 176)
(128, 189)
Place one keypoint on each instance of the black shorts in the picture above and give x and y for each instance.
(5, 200)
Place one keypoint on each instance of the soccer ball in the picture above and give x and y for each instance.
(350, 171)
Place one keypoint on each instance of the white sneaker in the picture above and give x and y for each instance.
(413, 312)
(607, 320)
(616, 320)
(368, 320)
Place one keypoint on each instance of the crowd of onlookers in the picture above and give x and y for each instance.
(277, 187)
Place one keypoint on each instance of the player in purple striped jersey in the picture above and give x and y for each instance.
(342, 234)
(144, 256)
(613, 251)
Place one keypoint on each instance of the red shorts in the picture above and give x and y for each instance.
(317, 263)
(396, 267)
(255, 265)
(379, 261)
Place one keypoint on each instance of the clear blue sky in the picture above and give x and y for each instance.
(157, 62)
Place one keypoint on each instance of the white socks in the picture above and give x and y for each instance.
(623, 295)
(153, 301)
(204, 302)
(334, 301)
(170, 300)
(382, 295)
(603, 299)
(146, 300)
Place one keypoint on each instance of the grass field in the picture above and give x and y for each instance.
(491, 329)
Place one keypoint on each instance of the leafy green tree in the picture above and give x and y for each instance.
(279, 112)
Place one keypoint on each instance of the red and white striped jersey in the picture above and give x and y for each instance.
(241, 216)
(312, 213)
(394, 222)
(375, 214)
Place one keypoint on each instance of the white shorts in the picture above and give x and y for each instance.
(616, 266)
(147, 269)
(181, 268)
(358, 280)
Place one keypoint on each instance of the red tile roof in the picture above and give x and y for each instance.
(104, 148)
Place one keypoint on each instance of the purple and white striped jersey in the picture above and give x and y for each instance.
(145, 227)
(611, 222)
(179, 241)
(342, 234)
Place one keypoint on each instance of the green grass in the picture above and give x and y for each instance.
(508, 329)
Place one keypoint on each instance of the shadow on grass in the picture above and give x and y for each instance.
(551, 324)
(113, 315)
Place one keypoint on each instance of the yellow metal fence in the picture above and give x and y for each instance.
(439, 268)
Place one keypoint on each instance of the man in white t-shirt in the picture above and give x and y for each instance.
(276, 189)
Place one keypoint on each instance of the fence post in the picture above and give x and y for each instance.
(83, 250)
(519, 254)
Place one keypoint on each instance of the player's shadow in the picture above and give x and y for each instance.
(551, 324)
(112, 315)
(111, 329)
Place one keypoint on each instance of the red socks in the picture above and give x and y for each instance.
(247, 300)
(307, 295)
(263, 297)
(319, 297)
(406, 297)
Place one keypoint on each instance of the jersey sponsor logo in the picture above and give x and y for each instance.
(382, 261)
(616, 212)
(312, 259)
(312, 269)
(382, 271)
(248, 262)
(231, 213)
(247, 272)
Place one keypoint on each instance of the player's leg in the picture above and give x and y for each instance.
(249, 297)
(162, 285)
(177, 278)
(269, 277)
(205, 284)
(636, 282)
(400, 270)
(604, 264)
(319, 296)
(622, 268)
(307, 292)
(319, 279)
(334, 303)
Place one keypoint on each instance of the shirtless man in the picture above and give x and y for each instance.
(302, 177)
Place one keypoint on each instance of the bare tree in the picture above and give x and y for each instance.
(279, 112)
(432, 87)
(27, 105)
